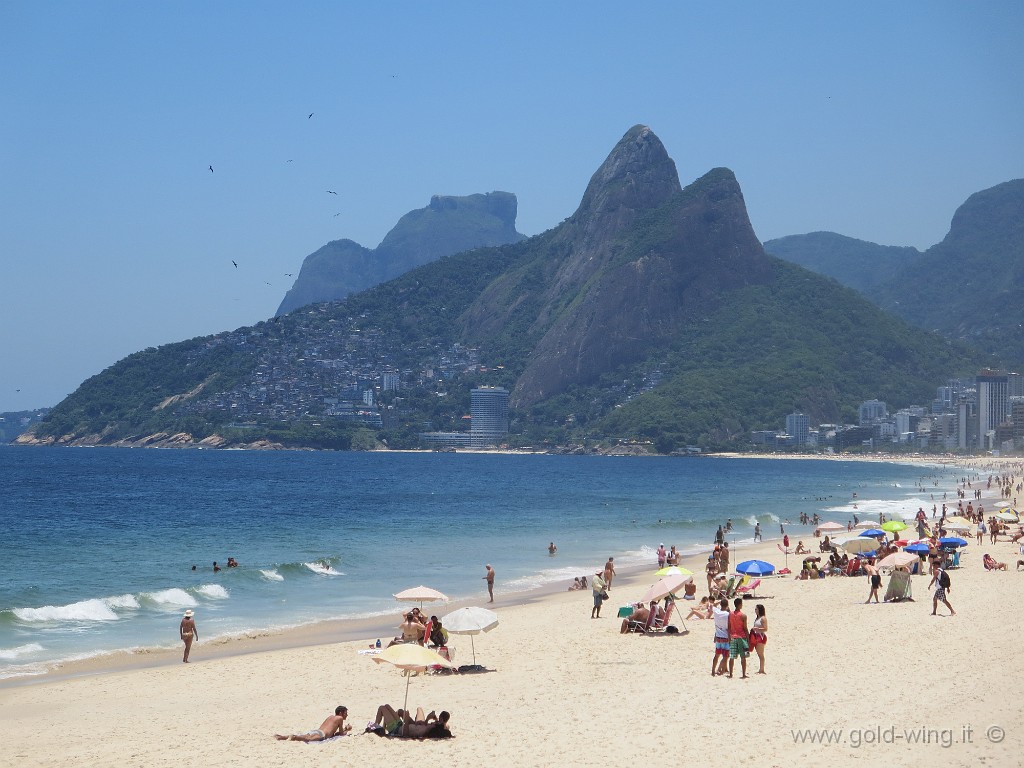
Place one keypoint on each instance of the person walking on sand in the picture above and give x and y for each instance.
(738, 633)
(490, 582)
(597, 585)
(329, 728)
(609, 573)
(759, 635)
(757, 532)
(188, 632)
(941, 579)
(876, 580)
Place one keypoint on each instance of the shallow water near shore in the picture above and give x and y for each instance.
(98, 544)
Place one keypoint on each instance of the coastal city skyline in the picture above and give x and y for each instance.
(148, 151)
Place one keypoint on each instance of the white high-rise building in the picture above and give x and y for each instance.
(871, 412)
(488, 410)
(993, 403)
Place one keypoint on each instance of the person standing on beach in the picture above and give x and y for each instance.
(609, 572)
(188, 632)
(490, 582)
(721, 616)
(738, 634)
(759, 635)
(723, 557)
(597, 585)
(757, 531)
(941, 579)
(876, 579)
(662, 554)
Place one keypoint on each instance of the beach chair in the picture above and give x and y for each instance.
(660, 625)
(956, 560)
(748, 589)
(727, 591)
(641, 626)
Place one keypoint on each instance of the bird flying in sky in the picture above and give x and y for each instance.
(235, 263)
(211, 169)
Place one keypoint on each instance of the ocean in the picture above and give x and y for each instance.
(97, 546)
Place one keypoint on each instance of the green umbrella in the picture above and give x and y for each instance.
(894, 526)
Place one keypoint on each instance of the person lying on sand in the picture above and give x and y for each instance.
(702, 611)
(398, 723)
(329, 728)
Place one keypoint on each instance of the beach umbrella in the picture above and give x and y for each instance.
(1007, 517)
(411, 657)
(830, 526)
(1003, 504)
(859, 545)
(673, 570)
(470, 621)
(917, 546)
(755, 568)
(872, 532)
(421, 595)
(952, 541)
(957, 523)
(894, 526)
(665, 586)
(897, 559)
(901, 542)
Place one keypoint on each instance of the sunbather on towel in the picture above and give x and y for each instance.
(398, 722)
(332, 726)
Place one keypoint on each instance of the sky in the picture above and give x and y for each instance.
(872, 119)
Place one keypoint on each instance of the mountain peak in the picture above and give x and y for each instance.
(637, 174)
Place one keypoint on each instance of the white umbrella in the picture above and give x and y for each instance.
(1003, 504)
(896, 559)
(867, 524)
(859, 544)
(665, 586)
(470, 621)
(421, 595)
(830, 526)
(411, 658)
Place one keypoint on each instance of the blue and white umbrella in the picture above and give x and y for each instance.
(873, 532)
(952, 541)
(916, 548)
(755, 568)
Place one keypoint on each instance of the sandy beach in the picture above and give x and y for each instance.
(888, 682)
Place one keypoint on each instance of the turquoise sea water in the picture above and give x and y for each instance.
(96, 545)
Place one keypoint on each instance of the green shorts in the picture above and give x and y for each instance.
(738, 647)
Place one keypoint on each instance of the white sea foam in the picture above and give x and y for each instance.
(323, 570)
(215, 591)
(10, 654)
(86, 610)
(173, 597)
(272, 575)
(122, 601)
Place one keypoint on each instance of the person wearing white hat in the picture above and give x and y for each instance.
(189, 633)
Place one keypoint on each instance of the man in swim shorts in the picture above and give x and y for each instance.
(721, 658)
(329, 728)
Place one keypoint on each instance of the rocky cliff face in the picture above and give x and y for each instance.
(638, 258)
(448, 225)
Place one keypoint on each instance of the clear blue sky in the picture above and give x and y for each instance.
(871, 119)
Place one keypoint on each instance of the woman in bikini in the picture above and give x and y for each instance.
(759, 635)
(188, 632)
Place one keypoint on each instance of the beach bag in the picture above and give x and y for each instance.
(943, 579)
(604, 595)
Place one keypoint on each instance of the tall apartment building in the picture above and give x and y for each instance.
(488, 410)
(798, 427)
(871, 412)
(993, 403)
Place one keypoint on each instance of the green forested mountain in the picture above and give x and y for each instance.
(969, 287)
(652, 312)
(858, 264)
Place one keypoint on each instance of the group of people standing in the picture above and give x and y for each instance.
(734, 639)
